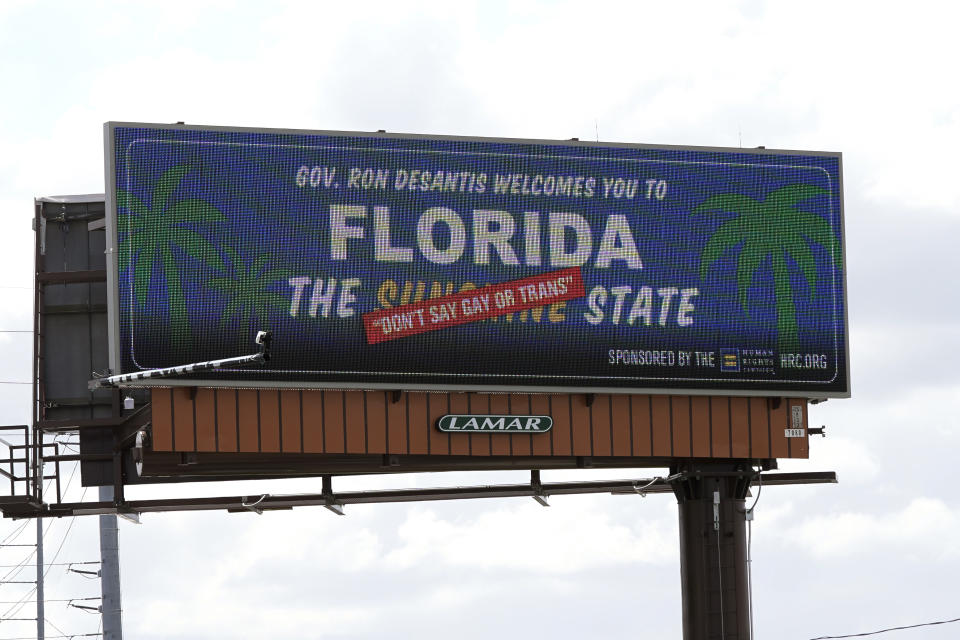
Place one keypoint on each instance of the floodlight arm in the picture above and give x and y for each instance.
(264, 339)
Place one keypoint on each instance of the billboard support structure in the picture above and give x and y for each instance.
(713, 550)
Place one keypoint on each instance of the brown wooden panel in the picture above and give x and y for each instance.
(759, 428)
(561, 438)
(499, 442)
(459, 442)
(397, 441)
(226, 404)
(269, 420)
(681, 426)
(359, 422)
(662, 440)
(641, 425)
(720, 426)
(779, 443)
(437, 405)
(521, 442)
(376, 402)
(620, 425)
(700, 423)
(540, 443)
(580, 425)
(480, 443)
(161, 402)
(740, 427)
(312, 402)
(601, 429)
(206, 415)
(356, 421)
(334, 427)
(417, 414)
(184, 435)
(291, 428)
(248, 422)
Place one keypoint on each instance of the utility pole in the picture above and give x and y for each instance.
(40, 614)
(713, 549)
(110, 572)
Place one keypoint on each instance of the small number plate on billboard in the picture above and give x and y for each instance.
(795, 433)
(385, 261)
(495, 423)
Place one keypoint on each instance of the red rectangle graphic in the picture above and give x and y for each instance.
(473, 305)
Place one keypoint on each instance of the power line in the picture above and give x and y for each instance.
(50, 600)
(73, 635)
(49, 564)
(873, 633)
(15, 609)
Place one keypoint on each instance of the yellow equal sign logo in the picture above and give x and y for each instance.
(730, 360)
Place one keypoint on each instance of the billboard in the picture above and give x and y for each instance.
(426, 262)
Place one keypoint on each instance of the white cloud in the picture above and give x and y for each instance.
(852, 459)
(925, 528)
(526, 537)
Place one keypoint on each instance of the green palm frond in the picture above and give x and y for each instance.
(166, 185)
(130, 202)
(728, 202)
(792, 194)
(196, 246)
(196, 211)
(803, 256)
(818, 230)
(727, 237)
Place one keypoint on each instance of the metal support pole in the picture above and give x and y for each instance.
(110, 572)
(713, 550)
(40, 613)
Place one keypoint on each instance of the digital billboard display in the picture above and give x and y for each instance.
(428, 262)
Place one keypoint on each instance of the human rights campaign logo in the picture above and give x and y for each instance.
(730, 360)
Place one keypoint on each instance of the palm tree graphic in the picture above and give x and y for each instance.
(772, 228)
(156, 232)
(248, 288)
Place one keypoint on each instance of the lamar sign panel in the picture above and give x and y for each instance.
(418, 262)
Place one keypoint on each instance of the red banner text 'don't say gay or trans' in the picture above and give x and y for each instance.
(473, 305)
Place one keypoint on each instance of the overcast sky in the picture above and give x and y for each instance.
(876, 81)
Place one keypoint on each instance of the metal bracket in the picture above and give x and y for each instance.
(330, 503)
(538, 493)
(254, 506)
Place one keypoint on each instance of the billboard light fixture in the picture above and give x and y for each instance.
(263, 338)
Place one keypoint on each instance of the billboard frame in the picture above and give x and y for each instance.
(113, 302)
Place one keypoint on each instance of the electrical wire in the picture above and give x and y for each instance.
(51, 600)
(15, 533)
(749, 518)
(873, 633)
(750, 572)
(55, 627)
(51, 564)
(74, 635)
(16, 608)
(24, 563)
(716, 528)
